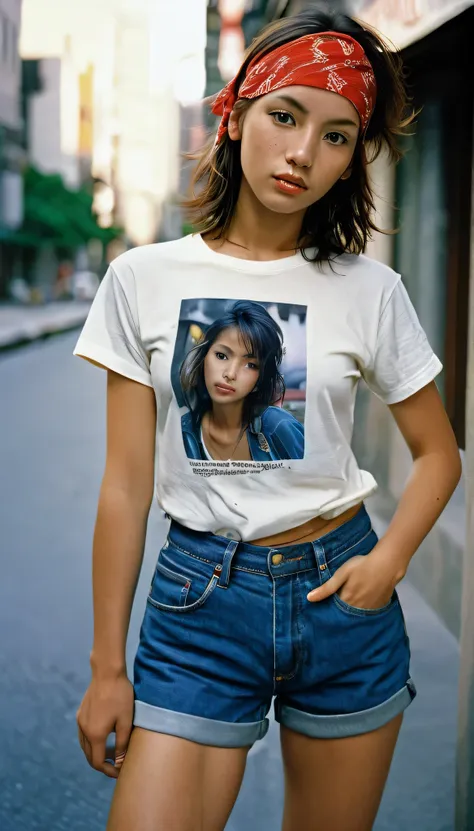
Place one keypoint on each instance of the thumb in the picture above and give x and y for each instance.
(329, 587)
(123, 730)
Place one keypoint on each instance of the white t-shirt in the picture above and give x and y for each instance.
(154, 307)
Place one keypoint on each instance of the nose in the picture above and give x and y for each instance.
(301, 152)
(230, 371)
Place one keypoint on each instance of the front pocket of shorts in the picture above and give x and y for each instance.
(183, 584)
(358, 612)
(361, 548)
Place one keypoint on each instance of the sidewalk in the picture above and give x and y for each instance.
(20, 324)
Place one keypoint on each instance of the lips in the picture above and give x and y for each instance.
(225, 388)
(292, 180)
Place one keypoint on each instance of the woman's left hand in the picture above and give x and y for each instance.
(368, 581)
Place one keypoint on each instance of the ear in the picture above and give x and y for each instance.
(234, 127)
(347, 173)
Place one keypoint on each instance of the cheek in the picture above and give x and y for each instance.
(208, 367)
(248, 382)
(259, 146)
(332, 164)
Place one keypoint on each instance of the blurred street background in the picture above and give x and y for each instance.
(98, 102)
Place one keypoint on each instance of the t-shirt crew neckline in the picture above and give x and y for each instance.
(249, 266)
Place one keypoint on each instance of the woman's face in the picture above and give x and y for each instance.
(230, 373)
(308, 132)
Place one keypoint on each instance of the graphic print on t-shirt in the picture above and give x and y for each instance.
(239, 377)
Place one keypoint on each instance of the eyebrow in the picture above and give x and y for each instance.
(339, 122)
(342, 122)
(294, 103)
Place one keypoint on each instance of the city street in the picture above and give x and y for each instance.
(52, 455)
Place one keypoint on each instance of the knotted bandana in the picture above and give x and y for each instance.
(328, 60)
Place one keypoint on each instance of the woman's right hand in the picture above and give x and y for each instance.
(107, 707)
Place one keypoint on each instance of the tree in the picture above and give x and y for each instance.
(57, 215)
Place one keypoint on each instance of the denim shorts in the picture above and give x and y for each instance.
(227, 628)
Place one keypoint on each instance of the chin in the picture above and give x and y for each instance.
(278, 206)
(280, 203)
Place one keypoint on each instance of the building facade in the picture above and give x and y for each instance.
(11, 150)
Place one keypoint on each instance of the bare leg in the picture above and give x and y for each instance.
(336, 784)
(172, 784)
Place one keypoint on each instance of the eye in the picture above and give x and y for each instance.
(280, 115)
(252, 366)
(334, 139)
(220, 356)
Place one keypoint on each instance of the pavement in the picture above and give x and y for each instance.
(20, 324)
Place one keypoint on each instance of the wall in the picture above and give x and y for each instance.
(10, 66)
(53, 121)
(436, 569)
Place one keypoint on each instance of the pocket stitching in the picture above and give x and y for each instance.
(207, 591)
(341, 553)
(178, 578)
(359, 612)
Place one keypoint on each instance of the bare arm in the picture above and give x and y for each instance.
(436, 471)
(119, 539)
(369, 580)
(125, 497)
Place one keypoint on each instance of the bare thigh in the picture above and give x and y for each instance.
(172, 784)
(336, 784)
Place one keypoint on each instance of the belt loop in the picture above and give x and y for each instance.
(323, 568)
(223, 581)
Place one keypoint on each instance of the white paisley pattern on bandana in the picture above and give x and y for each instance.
(328, 60)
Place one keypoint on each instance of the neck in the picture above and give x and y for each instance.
(226, 418)
(263, 234)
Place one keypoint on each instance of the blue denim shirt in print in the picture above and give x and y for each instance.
(272, 436)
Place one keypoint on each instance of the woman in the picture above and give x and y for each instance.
(272, 583)
(229, 381)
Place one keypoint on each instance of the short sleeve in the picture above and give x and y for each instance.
(403, 361)
(111, 336)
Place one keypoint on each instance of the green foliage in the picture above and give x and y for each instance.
(57, 215)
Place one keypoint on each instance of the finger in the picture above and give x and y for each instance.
(335, 582)
(82, 740)
(327, 589)
(110, 770)
(86, 746)
(95, 754)
(98, 760)
(122, 737)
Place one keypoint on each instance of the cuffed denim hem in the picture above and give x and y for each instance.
(349, 724)
(197, 729)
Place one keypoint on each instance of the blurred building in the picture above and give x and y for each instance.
(11, 150)
(139, 88)
(52, 112)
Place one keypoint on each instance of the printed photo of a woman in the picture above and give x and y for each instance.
(233, 388)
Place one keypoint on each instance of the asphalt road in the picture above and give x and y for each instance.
(52, 444)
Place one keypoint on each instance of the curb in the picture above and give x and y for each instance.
(30, 331)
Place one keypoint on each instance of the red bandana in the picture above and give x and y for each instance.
(328, 60)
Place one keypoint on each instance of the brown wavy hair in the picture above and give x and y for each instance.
(341, 221)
